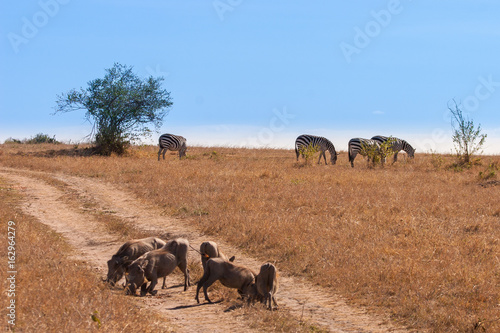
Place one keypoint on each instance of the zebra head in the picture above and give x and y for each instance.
(183, 150)
(333, 157)
(411, 153)
(409, 149)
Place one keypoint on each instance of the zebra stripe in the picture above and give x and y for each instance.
(173, 143)
(397, 146)
(323, 144)
(355, 147)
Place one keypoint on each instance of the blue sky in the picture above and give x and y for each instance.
(260, 73)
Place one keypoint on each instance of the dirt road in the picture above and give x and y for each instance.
(95, 245)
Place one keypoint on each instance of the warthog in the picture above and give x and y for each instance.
(179, 247)
(209, 250)
(127, 253)
(267, 285)
(156, 264)
(229, 274)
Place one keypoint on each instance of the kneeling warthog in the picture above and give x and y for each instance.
(229, 274)
(156, 264)
(267, 285)
(210, 250)
(127, 253)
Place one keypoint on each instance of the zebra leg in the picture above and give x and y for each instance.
(322, 153)
(164, 152)
(395, 158)
(159, 153)
(351, 159)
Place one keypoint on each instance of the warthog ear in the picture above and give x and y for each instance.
(232, 259)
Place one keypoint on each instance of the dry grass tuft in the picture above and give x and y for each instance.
(418, 239)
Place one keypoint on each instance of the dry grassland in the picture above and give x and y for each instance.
(415, 239)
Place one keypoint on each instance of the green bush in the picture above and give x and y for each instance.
(490, 172)
(42, 138)
(378, 154)
(308, 152)
(12, 141)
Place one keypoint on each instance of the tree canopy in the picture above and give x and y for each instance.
(120, 107)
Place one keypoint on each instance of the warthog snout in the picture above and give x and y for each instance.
(130, 289)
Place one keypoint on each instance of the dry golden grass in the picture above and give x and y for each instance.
(57, 294)
(415, 239)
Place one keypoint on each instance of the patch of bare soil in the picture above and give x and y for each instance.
(95, 246)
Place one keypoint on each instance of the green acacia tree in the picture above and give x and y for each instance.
(120, 107)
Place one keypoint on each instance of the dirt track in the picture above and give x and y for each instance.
(95, 245)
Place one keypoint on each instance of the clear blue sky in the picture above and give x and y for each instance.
(259, 73)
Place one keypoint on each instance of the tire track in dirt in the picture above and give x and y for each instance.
(95, 247)
(310, 303)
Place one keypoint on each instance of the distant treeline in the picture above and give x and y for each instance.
(39, 138)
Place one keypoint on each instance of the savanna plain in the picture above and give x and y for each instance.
(418, 239)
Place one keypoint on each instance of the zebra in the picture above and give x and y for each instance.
(356, 145)
(397, 146)
(173, 143)
(323, 144)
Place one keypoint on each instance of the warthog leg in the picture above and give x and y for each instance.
(206, 281)
(144, 289)
(164, 285)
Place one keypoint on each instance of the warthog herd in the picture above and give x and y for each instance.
(144, 261)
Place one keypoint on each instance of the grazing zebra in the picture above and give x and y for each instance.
(397, 146)
(323, 144)
(173, 143)
(355, 147)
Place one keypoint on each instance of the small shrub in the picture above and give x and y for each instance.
(308, 152)
(12, 141)
(437, 160)
(190, 157)
(458, 166)
(214, 155)
(385, 150)
(42, 138)
(490, 172)
(378, 154)
(467, 137)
